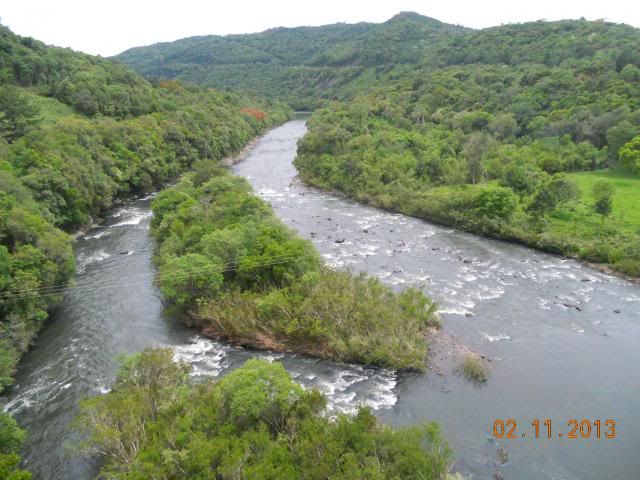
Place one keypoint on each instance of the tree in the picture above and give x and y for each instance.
(630, 73)
(522, 179)
(620, 135)
(11, 440)
(496, 202)
(503, 125)
(192, 276)
(17, 114)
(255, 422)
(474, 152)
(558, 189)
(603, 195)
(630, 156)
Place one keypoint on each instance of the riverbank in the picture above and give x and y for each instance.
(456, 209)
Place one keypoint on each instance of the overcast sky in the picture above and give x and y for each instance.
(108, 27)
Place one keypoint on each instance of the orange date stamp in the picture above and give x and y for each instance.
(572, 428)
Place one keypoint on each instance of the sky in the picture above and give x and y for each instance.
(108, 27)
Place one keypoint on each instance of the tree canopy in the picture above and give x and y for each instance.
(253, 423)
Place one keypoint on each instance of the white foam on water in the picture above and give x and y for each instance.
(577, 328)
(270, 193)
(367, 250)
(419, 278)
(135, 219)
(97, 257)
(356, 387)
(206, 357)
(487, 293)
(97, 235)
(496, 338)
(469, 277)
(271, 357)
(454, 310)
(332, 260)
(384, 396)
(544, 304)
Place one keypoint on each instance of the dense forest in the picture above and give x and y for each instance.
(301, 66)
(233, 269)
(306, 66)
(76, 133)
(253, 423)
(527, 132)
(547, 156)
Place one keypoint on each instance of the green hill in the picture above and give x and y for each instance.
(301, 65)
(76, 132)
(473, 128)
(307, 65)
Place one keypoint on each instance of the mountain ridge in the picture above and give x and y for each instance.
(308, 66)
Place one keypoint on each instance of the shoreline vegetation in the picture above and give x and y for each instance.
(254, 422)
(601, 267)
(519, 189)
(78, 133)
(230, 267)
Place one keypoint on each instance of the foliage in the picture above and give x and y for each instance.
(630, 156)
(603, 194)
(420, 116)
(299, 65)
(473, 368)
(11, 440)
(103, 132)
(495, 202)
(253, 423)
(434, 142)
(306, 66)
(556, 190)
(17, 113)
(236, 271)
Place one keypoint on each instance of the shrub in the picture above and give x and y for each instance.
(253, 423)
(473, 368)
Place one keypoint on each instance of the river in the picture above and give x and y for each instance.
(563, 339)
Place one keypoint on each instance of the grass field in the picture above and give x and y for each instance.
(576, 228)
(626, 200)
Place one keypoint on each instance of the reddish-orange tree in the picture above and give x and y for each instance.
(257, 114)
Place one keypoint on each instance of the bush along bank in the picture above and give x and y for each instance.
(230, 267)
(253, 423)
(519, 189)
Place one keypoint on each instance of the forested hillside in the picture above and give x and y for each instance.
(307, 65)
(543, 152)
(486, 129)
(76, 133)
(301, 65)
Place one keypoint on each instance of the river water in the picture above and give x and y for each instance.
(563, 339)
